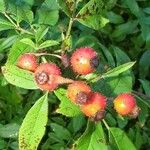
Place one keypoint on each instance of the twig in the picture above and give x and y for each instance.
(41, 54)
(69, 28)
(17, 27)
(105, 123)
(5, 14)
(22, 30)
(68, 32)
(141, 95)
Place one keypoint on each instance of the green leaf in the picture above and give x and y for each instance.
(28, 42)
(145, 32)
(77, 123)
(146, 86)
(33, 126)
(10, 95)
(144, 105)
(2, 5)
(108, 55)
(121, 140)
(66, 107)
(113, 86)
(14, 145)
(92, 139)
(86, 40)
(147, 10)
(145, 20)
(110, 119)
(125, 29)
(3, 144)
(9, 130)
(117, 70)
(121, 56)
(3, 81)
(79, 1)
(8, 42)
(133, 6)
(67, 6)
(60, 131)
(20, 11)
(139, 141)
(122, 121)
(24, 13)
(91, 15)
(144, 64)
(5, 24)
(30, 2)
(48, 17)
(17, 49)
(120, 84)
(19, 77)
(41, 32)
(110, 4)
(50, 4)
(48, 43)
(114, 18)
(96, 22)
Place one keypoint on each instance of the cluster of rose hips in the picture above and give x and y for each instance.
(83, 61)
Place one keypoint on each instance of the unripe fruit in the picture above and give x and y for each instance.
(84, 60)
(78, 92)
(96, 103)
(124, 104)
(27, 62)
(48, 77)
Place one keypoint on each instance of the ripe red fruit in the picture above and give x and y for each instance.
(84, 60)
(124, 103)
(27, 62)
(48, 76)
(78, 92)
(95, 104)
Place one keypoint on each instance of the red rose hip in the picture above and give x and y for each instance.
(78, 92)
(48, 77)
(27, 62)
(95, 104)
(84, 60)
(124, 104)
(42, 76)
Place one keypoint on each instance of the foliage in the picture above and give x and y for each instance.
(120, 33)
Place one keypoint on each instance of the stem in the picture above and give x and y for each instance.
(22, 30)
(41, 54)
(44, 60)
(105, 123)
(32, 27)
(69, 27)
(94, 79)
(17, 27)
(141, 95)
(5, 14)
(58, 51)
(71, 20)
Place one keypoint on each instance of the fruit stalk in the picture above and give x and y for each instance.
(57, 79)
